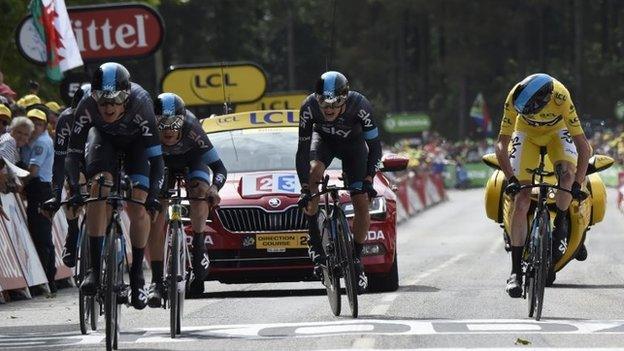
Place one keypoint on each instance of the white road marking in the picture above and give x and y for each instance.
(503, 327)
(421, 276)
(335, 329)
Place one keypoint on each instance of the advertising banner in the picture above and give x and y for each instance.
(209, 84)
(21, 240)
(102, 32)
(11, 276)
(274, 101)
(407, 123)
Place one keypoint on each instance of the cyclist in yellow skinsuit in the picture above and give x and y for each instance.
(539, 112)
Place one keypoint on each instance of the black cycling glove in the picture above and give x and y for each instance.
(513, 186)
(152, 205)
(577, 193)
(304, 198)
(368, 187)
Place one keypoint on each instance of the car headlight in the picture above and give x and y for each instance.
(377, 208)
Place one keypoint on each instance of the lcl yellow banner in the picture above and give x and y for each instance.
(215, 83)
(274, 101)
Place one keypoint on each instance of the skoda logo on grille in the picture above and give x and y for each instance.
(274, 202)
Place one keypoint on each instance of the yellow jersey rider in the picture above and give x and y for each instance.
(539, 112)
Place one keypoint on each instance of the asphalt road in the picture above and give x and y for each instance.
(452, 268)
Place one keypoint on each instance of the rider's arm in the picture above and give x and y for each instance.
(508, 124)
(578, 136)
(502, 155)
(76, 146)
(371, 135)
(303, 147)
(60, 150)
(153, 149)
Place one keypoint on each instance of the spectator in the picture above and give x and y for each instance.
(33, 87)
(21, 130)
(38, 156)
(6, 90)
(5, 118)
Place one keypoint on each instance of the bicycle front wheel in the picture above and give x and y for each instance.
(331, 272)
(110, 293)
(348, 265)
(85, 309)
(543, 262)
(172, 280)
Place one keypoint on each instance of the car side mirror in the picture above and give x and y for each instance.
(393, 163)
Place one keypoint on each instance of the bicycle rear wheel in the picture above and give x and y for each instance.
(543, 263)
(172, 280)
(182, 269)
(348, 265)
(331, 274)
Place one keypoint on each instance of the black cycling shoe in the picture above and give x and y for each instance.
(69, 257)
(514, 286)
(200, 261)
(581, 254)
(362, 280)
(155, 295)
(138, 296)
(89, 284)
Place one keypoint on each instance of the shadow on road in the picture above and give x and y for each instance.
(588, 286)
(263, 293)
(418, 288)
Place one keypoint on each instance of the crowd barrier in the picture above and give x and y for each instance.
(20, 267)
(416, 192)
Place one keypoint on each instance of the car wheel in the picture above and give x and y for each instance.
(385, 282)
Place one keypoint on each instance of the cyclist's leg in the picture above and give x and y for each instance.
(354, 164)
(156, 246)
(523, 154)
(137, 168)
(199, 184)
(563, 154)
(98, 163)
(321, 156)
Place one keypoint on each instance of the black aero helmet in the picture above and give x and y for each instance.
(170, 111)
(332, 89)
(83, 91)
(111, 83)
(533, 93)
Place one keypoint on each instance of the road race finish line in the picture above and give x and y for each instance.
(319, 329)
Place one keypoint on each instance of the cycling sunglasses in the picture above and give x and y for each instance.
(170, 122)
(102, 97)
(334, 102)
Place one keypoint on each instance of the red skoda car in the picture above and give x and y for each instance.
(258, 234)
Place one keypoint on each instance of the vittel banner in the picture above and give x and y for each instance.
(109, 32)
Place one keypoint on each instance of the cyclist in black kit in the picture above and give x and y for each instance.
(336, 122)
(185, 145)
(61, 140)
(117, 117)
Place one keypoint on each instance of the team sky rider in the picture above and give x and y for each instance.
(539, 112)
(185, 146)
(122, 116)
(336, 122)
(61, 140)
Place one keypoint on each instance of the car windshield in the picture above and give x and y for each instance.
(251, 150)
